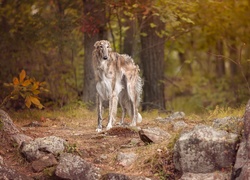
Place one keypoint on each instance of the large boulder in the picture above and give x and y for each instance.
(204, 150)
(44, 162)
(241, 168)
(126, 159)
(9, 130)
(40, 147)
(153, 135)
(73, 167)
(229, 124)
(206, 176)
(6, 123)
(7, 173)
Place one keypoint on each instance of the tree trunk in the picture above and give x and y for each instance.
(94, 30)
(234, 56)
(220, 64)
(152, 59)
(129, 38)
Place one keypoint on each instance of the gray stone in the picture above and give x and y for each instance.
(179, 125)
(242, 162)
(173, 117)
(6, 124)
(40, 147)
(177, 115)
(153, 135)
(33, 124)
(241, 168)
(7, 173)
(10, 130)
(207, 176)
(44, 162)
(73, 167)
(230, 124)
(126, 159)
(116, 176)
(20, 138)
(104, 156)
(204, 150)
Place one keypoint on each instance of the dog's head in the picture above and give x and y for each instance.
(103, 49)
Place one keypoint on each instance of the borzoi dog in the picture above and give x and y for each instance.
(118, 80)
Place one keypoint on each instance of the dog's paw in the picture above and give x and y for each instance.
(108, 127)
(132, 124)
(98, 130)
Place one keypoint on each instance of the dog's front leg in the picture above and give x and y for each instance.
(99, 111)
(112, 110)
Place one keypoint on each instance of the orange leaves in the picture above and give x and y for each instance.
(28, 89)
(22, 76)
(15, 81)
(33, 100)
(21, 80)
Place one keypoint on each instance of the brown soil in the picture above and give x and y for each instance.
(99, 149)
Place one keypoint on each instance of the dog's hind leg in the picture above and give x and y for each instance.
(123, 114)
(134, 115)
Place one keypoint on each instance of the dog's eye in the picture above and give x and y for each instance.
(100, 46)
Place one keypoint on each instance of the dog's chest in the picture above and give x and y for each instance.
(107, 70)
(109, 80)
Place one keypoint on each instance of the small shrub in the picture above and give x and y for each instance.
(25, 89)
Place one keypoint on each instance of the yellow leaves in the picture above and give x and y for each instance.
(152, 25)
(28, 102)
(28, 89)
(135, 5)
(33, 99)
(35, 86)
(26, 83)
(22, 75)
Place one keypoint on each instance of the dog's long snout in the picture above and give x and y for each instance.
(105, 57)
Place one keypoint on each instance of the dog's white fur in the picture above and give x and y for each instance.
(117, 79)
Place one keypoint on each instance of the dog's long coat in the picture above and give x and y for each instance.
(117, 79)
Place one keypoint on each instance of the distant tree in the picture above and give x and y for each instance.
(152, 59)
(94, 28)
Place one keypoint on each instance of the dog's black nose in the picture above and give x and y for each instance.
(105, 57)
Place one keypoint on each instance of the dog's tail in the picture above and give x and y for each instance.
(130, 112)
(139, 118)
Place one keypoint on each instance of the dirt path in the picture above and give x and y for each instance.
(99, 149)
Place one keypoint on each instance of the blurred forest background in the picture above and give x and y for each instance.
(194, 55)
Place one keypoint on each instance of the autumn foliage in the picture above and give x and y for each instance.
(25, 89)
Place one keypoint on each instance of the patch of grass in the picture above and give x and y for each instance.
(220, 112)
(158, 158)
(71, 148)
(72, 111)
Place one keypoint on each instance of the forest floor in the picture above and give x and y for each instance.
(77, 126)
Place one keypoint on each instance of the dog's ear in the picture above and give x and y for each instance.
(96, 44)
